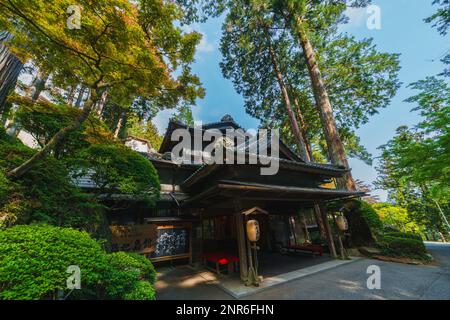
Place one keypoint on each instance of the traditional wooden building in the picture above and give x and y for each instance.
(203, 209)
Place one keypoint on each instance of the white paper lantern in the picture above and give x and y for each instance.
(342, 223)
(253, 230)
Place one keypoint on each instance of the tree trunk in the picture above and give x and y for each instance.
(101, 103)
(287, 101)
(336, 150)
(80, 96)
(304, 131)
(300, 136)
(55, 140)
(38, 85)
(71, 95)
(119, 125)
(10, 67)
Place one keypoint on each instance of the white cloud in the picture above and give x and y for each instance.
(204, 45)
(161, 120)
(357, 17)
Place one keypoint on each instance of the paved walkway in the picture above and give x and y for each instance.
(398, 281)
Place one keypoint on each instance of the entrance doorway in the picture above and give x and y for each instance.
(285, 244)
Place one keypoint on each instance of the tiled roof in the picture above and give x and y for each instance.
(330, 169)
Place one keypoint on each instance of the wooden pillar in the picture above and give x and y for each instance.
(319, 220)
(342, 250)
(191, 238)
(328, 232)
(241, 240)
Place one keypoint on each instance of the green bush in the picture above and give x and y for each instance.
(4, 187)
(118, 169)
(396, 218)
(34, 260)
(405, 235)
(143, 290)
(127, 273)
(45, 194)
(364, 223)
(404, 247)
(371, 216)
(3, 135)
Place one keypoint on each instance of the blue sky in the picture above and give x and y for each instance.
(402, 31)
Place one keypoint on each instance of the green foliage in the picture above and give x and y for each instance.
(414, 165)
(45, 194)
(441, 18)
(113, 47)
(370, 215)
(396, 217)
(130, 49)
(141, 291)
(144, 130)
(403, 247)
(118, 169)
(3, 134)
(405, 235)
(131, 277)
(441, 21)
(34, 260)
(4, 187)
(184, 115)
(364, 223)
(43, 120)
(359, 79)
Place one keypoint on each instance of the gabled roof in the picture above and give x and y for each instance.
(227, 122)
(324, 169)
(230, 189)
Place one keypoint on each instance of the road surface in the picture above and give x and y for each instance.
(398, 281)
(349, 281)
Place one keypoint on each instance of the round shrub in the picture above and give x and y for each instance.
(118, 169)
(142, 290)
(34, 260)
(129, 275)
(403, 247)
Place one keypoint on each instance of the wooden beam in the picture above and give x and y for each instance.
(254, 210)
(319, 220)
(241, 242)
(329, 235)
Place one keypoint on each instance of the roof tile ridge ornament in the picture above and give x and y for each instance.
(227, 118)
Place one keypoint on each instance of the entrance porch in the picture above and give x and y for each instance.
(293, 233)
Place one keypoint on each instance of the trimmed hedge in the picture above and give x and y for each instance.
(405, 235)
(364, 223)
(34, 260)
(131, 277)
(404, 247)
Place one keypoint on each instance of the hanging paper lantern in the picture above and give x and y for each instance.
(342, 223)
(253, 230)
